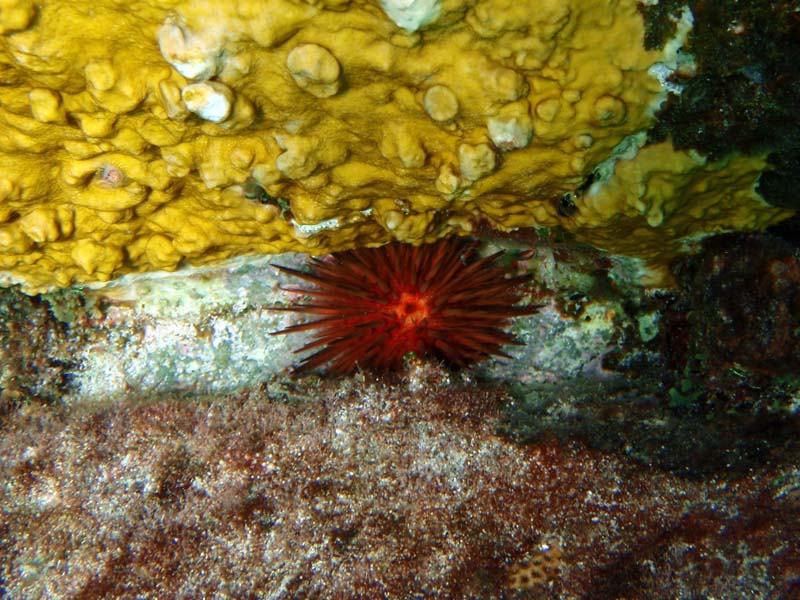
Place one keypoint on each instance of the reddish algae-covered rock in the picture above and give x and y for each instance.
(372, 489)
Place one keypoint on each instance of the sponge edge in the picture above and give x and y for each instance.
(190, 132)
(658, 202)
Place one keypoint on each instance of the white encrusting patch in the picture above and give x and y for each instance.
(411, 14)
(194, 56)
(209, 100)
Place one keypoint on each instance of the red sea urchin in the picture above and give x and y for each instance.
(375, 305)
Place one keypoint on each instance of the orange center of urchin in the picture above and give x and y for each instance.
(411, 310)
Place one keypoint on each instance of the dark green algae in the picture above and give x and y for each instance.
(745, 93)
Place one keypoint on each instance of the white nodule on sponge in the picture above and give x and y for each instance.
(314, 69)
(193, 56)
(475, 161)
(512, 127)
(440, 103)
(411, 14)
(209, 100)
(509, 134)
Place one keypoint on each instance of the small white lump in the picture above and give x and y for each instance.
(209, 100)
(193, 56)
(314, 69)
(411, 14)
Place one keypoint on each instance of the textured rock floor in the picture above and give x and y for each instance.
(385, 488)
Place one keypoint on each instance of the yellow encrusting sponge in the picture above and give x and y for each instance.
(144, 137)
